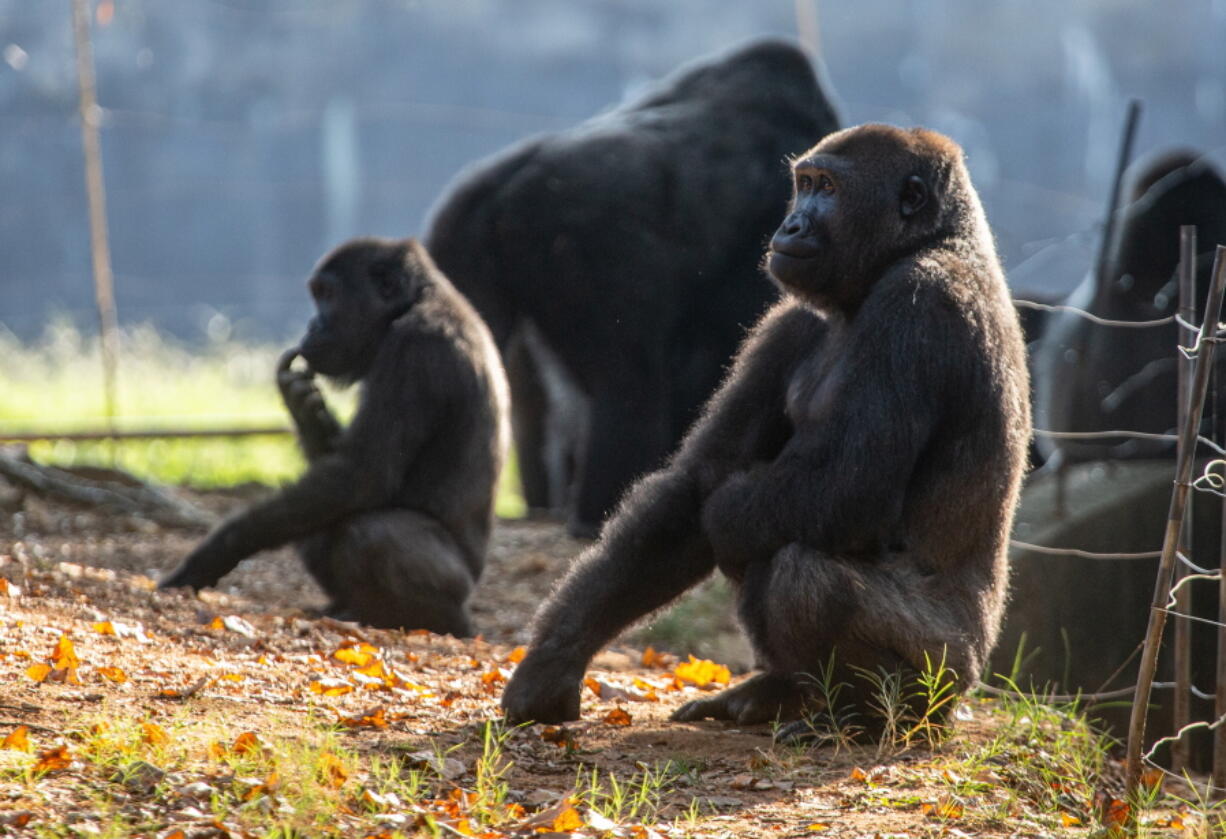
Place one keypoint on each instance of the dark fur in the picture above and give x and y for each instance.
(856, 474)
(631, 243)
(1096, 378)
(394, 512)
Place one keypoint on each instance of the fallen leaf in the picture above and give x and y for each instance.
(113, 674)
(559, 735)
(38, 672)
(18, 740)
(618, 716)
(331, 687)
(945, 809)
(154, 734)
(517, 655)
(104, 628)
(702, 672)
(53, 760)
(248, 743)
(331, 771)
(374, 718)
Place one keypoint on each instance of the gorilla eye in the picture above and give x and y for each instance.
(804, 183)
(825, 184)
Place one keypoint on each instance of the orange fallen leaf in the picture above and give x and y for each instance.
(247, 743)
(651, 658)
(702, 672)
(1069, 820)
(944, 809)
(331, 687)
(375, 718)
(53, 760)
(104, 628)
(154, 734)
(38, 672)
(361, 655)
(567, 820)
(18, 740)
(114, 674)
(517, 655)
(817, 827)
(331, 772)
(858, 774)
(618, 716)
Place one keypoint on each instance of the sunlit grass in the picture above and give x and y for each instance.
(54, 385)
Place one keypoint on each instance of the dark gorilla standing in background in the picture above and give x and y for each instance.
(393, 514)
(856, 474)
(628, 248)
(1090, 377)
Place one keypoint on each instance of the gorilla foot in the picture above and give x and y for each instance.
(764, 698)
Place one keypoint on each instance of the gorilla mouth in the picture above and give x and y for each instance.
(783, 265)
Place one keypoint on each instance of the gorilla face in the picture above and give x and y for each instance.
(358, 290)
(856, 205)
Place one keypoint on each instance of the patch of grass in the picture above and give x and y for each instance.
(636, 800)
(54, 385)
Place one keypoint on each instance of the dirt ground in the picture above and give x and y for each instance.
(249, 651)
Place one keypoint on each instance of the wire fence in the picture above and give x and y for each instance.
(1177, 573)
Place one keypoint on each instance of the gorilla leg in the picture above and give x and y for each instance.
(397, 569)
(628, 436)
(815, 621)
(529, 409)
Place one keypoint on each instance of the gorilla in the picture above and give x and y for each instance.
(855, 475)
(393, 514)
(1090, 377)
(629, 246)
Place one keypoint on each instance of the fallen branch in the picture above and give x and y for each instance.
(136, 498)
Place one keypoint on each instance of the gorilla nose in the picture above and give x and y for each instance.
(794, 239)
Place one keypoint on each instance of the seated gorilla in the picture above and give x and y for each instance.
(393, 514)
(1090, 377)
(856, 474)
(628, 245)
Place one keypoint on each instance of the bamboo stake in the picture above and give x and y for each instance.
(1179, 496)
(104, 292)
(1182, 702)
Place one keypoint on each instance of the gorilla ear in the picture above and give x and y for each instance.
(388, 276)
(914, 196)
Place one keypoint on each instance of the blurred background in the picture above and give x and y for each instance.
(241, 139)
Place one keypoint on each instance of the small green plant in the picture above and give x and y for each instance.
(633, 801)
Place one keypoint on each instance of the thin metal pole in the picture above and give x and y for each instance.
(1182, 653)
(104, 292)
(1113, 203)
(1183, 477)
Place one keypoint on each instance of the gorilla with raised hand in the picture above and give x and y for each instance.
(856, 474)
(394, 512)
(628, 246)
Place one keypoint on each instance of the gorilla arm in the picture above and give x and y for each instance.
(318, 431)
(840, 483)
(399, 410)
(653, 548)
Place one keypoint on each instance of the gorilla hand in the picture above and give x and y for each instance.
(542, 689)
(203, 567)
(318, 430)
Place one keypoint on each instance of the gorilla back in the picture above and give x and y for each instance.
(393, 514)
(631, 243)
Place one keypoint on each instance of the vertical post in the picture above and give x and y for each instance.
(806, 26)
(1179, 497)
(1182, 653)
(1113, 202)
(104, 293)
